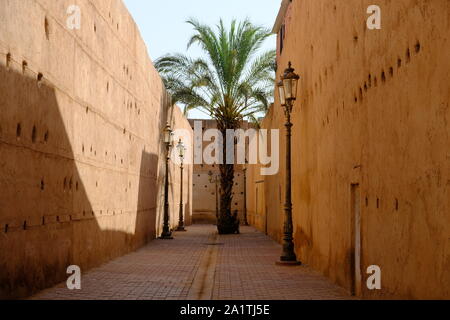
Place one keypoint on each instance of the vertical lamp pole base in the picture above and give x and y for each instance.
(181, 149)
(245, 194)
(288, 257)
(166, 233)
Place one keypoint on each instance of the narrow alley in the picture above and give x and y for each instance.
(303, 145)
(201, 265)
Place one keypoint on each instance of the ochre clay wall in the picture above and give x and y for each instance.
(81, 158)
(373, 112)
(204, 192)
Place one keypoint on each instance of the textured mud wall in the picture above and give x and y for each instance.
(204, 194)
(373, 113)
(81, 159)
(204, 191)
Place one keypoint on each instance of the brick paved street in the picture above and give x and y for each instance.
(200, 264)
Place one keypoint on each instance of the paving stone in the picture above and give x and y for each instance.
(243, 268)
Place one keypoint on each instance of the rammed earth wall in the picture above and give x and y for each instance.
(371, 130)
(81, 158)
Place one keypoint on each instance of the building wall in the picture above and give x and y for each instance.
(81, 158)
(265, 194)
(204, 194)
(204, 191)
(371, 125)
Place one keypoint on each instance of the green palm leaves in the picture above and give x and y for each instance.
(232, 82)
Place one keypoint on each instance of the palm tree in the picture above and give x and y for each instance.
(232, 83)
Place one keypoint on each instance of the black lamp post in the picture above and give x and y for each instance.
(216, 181)
(245, 193)
(181, 153)
(166, 233)
(288, 94)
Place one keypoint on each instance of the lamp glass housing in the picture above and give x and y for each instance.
(181, 149)
(281, 92)
(294, 88)
(289, 82)
(168, 134)
(290, 88)
(287, 88)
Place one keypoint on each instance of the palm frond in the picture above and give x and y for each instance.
(234, 82)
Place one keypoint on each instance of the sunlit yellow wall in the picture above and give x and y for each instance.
(374, 111)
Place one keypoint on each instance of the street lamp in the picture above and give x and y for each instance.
(245, 193)
(216, 181)
(181, 153)
(168, 134)
(288, 94)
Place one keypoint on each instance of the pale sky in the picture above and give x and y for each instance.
(163, 28)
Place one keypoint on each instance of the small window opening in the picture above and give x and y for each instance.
(47, 28)
(19, 130)
(33, 134)
(8, 60)
(417, 47)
